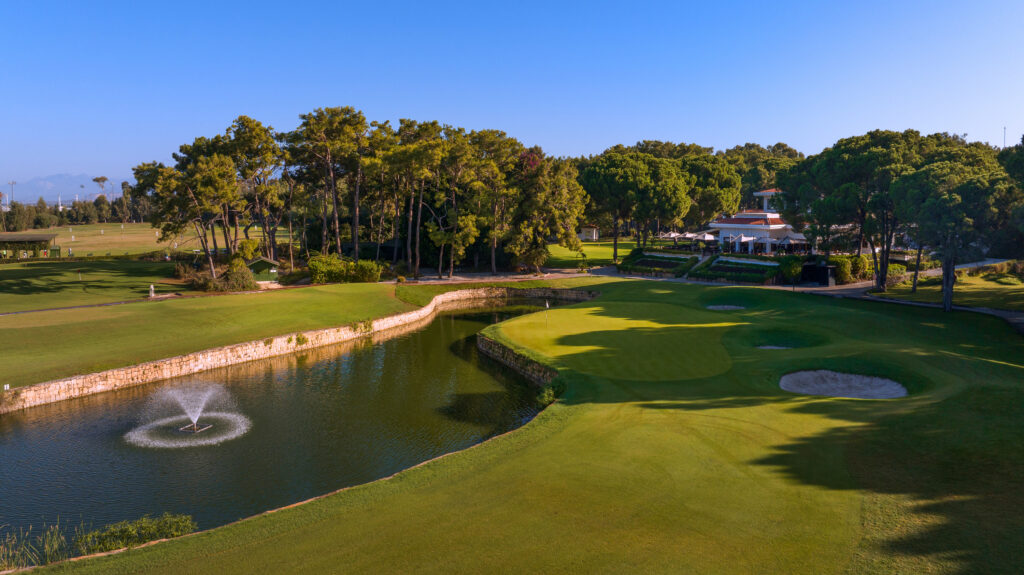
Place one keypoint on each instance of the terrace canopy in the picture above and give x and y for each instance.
(21, 245)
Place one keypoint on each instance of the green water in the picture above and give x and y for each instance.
(318, 421)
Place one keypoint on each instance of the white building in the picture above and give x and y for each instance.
(589, 234)
(761, 230)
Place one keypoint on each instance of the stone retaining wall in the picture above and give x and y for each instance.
(536, 372)
(113, 379)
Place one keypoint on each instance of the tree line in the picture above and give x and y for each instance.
(939, 192)
(42, 215)
(420, 193)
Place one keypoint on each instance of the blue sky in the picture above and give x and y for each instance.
(97, 87)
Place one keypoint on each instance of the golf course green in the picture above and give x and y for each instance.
(674, 451)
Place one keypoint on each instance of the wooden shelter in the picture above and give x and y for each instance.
(263, 269)
(18, 245)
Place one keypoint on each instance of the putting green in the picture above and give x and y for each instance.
(629, 341)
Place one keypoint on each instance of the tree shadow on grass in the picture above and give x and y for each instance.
(943, 471)
(959, 461)
(61, 277)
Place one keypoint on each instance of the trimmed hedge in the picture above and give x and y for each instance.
(758, 274)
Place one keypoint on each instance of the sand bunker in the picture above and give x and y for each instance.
(834, 384)
(725, 307)
(773, 347)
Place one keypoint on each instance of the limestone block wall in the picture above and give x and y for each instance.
(536, 372)
(113, 379)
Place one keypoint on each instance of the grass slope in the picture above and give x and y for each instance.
(50, 284)
(674, 451)
(598, 253)
(998, 291)
(52, 344)
(47, 345)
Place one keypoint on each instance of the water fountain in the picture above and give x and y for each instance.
(220, 422)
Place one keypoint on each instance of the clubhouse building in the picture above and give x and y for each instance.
(758, 231)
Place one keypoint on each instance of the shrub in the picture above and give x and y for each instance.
(301, 339)
(328, 269)
(860, 267)
(133, 533)
(238, 277)
(365, 271)
(400, 279)
(546, 397)
(844, 269)
(705, 265)
(897, 273)
(685, 267)
(247, 248)
(791, 268)
(203, 282)
(182, 271)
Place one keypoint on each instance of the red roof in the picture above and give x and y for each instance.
(769, 191)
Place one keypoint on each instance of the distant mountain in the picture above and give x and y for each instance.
(65, 185)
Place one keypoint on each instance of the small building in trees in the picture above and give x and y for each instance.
(22, 246)
(589, 233)
(758, 231)
(263, 269)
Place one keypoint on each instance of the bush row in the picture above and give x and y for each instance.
(326, 269)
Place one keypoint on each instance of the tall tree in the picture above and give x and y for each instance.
(327, 138)
(101, 181)
(497, 155)
(662, 196)
(953, 203)
(1011, 242)
(257, 159)
(759, 167)
(716, 188)
(613, 182)
(552, 206)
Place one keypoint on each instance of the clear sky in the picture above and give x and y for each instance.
(97, 87)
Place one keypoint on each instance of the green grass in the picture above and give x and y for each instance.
(674, 451)
(598, 253)
(100, 239)
(52, 344)
(51, 284)
(111, 238)
(998, 291)
(47, 345)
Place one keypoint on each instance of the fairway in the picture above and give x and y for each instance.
(997, 291)
(674, 451)
(110, 238)
(599, 254)
(53, 284)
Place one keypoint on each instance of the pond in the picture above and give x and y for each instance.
(311, 423)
